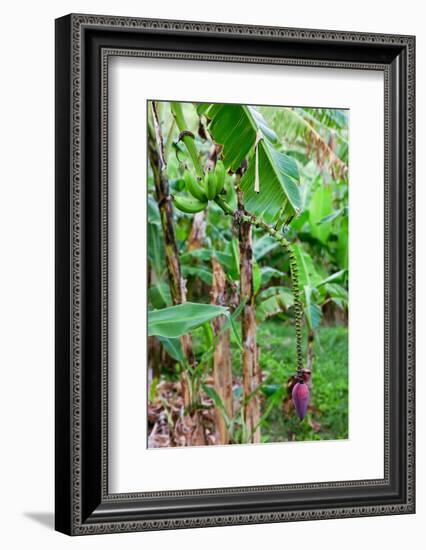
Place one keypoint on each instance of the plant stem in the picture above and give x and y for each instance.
(222, 369)
(177, 112)
(250, 363)
(176, 281)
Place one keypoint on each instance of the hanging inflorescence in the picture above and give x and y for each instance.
(298, 309)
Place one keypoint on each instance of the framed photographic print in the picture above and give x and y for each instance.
(234, 274)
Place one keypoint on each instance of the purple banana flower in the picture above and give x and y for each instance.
(300, 396)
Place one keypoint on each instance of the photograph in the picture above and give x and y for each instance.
(247, 263)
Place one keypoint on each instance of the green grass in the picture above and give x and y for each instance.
(327, 417)
(328, 414)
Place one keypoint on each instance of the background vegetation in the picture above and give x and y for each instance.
(217, 282)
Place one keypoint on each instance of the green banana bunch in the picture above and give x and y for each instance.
(220, 176)
(210, 184)
(214, 181)
(200, 192)
(193, 186)
(189, 205)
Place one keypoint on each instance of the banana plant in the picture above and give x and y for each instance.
(259, 195)
(271, 183)
(250, 147)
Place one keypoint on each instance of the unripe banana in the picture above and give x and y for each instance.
(220, 176)
(189, 205)
(211, 185)
(203, 184)
(193, 187)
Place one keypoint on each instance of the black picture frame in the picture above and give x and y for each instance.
(83, 46)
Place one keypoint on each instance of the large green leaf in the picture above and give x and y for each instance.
(273, 301)
(279, 194)
(236, 128)
(198, 253)
(334, 277)
(201, 272)
(173, 348)
(313, 311)
(308, 275)
(335, 214)
(267, 273)
(309, 280)
(338, 294)
(159, 295)
(342, 244)
(263, 245)
(175, 321)
(321, 206)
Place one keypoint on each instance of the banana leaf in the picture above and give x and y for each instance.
(279, 195)
(321, 206)
(236, 128)
(173, 348)
(308, 275)
(200, 272)
(313, 312)
(273, 301)
(159, 295)
(175, 321)
(263, 245)
(267, 273)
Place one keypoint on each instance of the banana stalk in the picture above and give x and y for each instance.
(189, 205)
(177, 111)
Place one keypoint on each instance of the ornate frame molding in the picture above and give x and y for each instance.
(72, 48)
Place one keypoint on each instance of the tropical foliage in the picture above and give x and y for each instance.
(248, 273)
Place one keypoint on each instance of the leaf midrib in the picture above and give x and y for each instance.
(267, 153)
